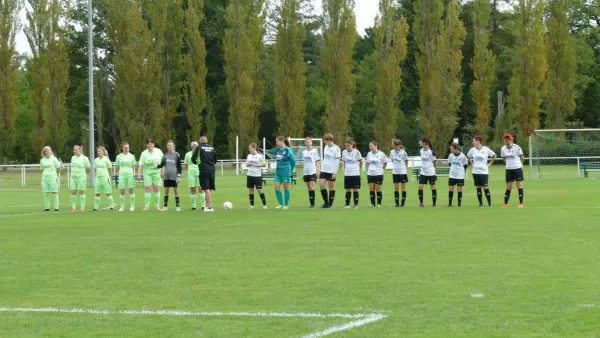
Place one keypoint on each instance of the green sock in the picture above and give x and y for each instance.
(82, 200)
(157, 199)
(147, 197)
(287, 195)
(55, 198)
(203, 199)
(46, 201)
(122, 201)
(96, 202)
(111, 202)
(73, 201)
(194, 200)
(279, 197)
(132, 200)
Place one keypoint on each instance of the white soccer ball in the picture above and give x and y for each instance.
(227, 206)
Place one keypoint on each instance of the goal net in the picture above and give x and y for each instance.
(565, 153)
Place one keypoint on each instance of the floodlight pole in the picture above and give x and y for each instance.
(92, 146)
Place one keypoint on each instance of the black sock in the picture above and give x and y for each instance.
(507, 196)
(311, 197)
(177, 201)
(420, 195)
(459, 198)
(434, 196)
(348, 196)
(521, 196)
(355, 197)
(379, 197)
(263, 198)
(450, 197)
(251, 196)
(403, 197)
(372, 195)
(488, 196)
(166, 201)
(331, 197)
(324, 195)
(479, 196)
(397, 197)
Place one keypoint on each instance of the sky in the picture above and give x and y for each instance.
(365, 11)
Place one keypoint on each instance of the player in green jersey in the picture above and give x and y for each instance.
(125, 164)
(286, 162)
(103, 186)
(50, 168)
(193, 173)
(150, 159)
(80, 168)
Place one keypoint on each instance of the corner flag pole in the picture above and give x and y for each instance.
(92, 151)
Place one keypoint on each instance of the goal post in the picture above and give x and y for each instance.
(564, 153)
(298, 146)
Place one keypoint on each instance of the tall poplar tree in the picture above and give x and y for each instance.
(194, 62)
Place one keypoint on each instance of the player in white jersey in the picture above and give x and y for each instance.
(329, 168)
(400, 159)
(481, 158)
(427, 174)
(458, 166)
(352, 163)
(376, 163)
(311, 159)
(513, 157)
(255, 162)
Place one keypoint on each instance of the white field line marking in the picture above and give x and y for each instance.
(21, 206)
(356, 323)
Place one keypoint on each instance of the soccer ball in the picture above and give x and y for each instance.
(227, 206)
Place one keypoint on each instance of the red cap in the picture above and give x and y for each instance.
(508, 137)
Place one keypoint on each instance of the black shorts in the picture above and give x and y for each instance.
(352, 182)
(254, 182)
(427, 179)
(326, 176)
(310, 178)
(456, 181)
(207, 180)
(375, 179)
(400, 178)
(514, 175)
(481, 180)
(170, 184)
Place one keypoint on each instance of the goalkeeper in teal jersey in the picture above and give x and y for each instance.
(80, 167)
(50, 167)
(150, 159)
(193, 174)
(286, 162)
(103, 186)
(125, 164)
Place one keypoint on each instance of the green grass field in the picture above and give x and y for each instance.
(441, 272)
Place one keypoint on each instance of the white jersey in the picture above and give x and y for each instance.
(512, 156)
(255, 159)
(310, 158)
(427, 162)
(352, 160)
(331, 159)
(376, 162)
(399, 158)
(480, 159)
(457, 166)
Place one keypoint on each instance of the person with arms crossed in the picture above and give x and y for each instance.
(193, 175)
(513, 157)
(171, 174)
(150, 159)
(255, 162)
(102, 185)
(286, 162)
(329, 168)
(50, 167)
(125, 164)
(481, 158)
(311, 159)
(376, 164)
(352, 163)
(80, 167)
(427, 175)
(205, 157)
(458, 166)
(400, 160)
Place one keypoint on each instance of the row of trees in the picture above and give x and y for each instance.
(180, 68)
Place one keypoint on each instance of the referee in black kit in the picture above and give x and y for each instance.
(207, 164)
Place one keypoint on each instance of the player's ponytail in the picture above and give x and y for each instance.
(375, 144)
(254, 146)
(104, 152)
(397, 143)
(46, 148)
(428, 143)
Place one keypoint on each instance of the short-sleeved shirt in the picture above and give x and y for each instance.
(257, 158)
(49, 166)
(193, 169)
(480, 159)
(376, 162)
(427, 162)
(512, 156)
(79, 164)
(310, 158)
(399, 158)
(457, 166)
(151, 160)
(102, 166)
(125, 162)
(331, 159)
(352, 159)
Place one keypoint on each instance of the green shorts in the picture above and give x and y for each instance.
(152, 179)
(103, 186)
(50, 185)
(193, 181)
(78, 184)
(282, 179)
(126, 183)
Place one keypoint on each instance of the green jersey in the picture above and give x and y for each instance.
(79, 164)
(151, 160)
(192, 168)
(102, 166)
(49, 166)
(125, 164)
